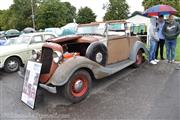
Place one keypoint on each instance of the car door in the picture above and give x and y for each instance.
(118, 44)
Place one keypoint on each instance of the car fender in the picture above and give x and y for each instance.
(4, 58)
(66, 69)
(136, 47)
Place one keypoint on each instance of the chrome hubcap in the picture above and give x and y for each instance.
(78, 85)
(12, 65)
(99, 57)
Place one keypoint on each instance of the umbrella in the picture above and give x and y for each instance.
(12, 33)
(159, 10)
(29, 30)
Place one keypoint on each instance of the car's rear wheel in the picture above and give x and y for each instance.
(12, 64)
(139, 59)
(78, 86)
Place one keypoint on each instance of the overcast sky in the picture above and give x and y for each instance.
(95, 5)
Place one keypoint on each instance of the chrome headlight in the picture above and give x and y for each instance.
(57, 56)
(35, 54)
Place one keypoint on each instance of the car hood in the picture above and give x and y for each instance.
(78, 38)
(11, 49)
(89, 39)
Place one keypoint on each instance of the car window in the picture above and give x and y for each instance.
(37, 39)
(48, 36)
(116, 29)
(22, 39)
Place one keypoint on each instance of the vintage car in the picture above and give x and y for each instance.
(98, 50)
(13, 55)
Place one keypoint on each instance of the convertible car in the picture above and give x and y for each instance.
(98, 50)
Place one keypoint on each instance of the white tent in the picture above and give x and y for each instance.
(140, 19)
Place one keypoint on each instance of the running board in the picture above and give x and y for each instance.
(113, 68)
(48, 88)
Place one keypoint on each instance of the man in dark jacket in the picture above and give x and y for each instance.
(171, 31)
(161, 41)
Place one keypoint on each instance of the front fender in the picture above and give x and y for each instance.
(136, 47)
(66, 69)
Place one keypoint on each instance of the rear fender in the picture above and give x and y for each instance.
(136, 47)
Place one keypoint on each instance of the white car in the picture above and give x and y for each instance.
(17, 54)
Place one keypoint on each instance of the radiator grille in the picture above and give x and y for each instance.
(46, 59)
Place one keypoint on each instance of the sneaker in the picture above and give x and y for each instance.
(169, 61)
(153, 62)
(173, 61)
(156, 60)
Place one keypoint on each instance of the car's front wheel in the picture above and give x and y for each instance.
(78, 86)
(12, 64)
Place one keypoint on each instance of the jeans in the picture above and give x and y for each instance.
(152, 51)
(160, 45)
(171, 49)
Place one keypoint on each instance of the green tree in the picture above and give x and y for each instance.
(85, 15)
(173, 3)
(53, 13)
(48, 13)
(116, 10)
(21, 14)
(18, 16)
(70, 12)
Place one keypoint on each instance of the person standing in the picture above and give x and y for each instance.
(171, 30)
(161, 41)
(153, 41)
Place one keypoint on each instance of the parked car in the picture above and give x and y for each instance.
(10, 41)
(17, 54)
(97, 50)
(2, 40)
(12, 33)
(68, 29)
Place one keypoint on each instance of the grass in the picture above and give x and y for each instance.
(178, 49)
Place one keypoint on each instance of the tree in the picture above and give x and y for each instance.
(48, 13)
(136, 13)
(85, 15)
(116, 10)
(52, 13)
(21, 11)
(173, 3)
(70, 12)
(18, 16)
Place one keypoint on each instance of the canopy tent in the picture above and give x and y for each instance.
(139, 20)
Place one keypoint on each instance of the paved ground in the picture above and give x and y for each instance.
(149, 92)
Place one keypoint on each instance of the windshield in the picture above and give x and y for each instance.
(23, 39)
(92, 29)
